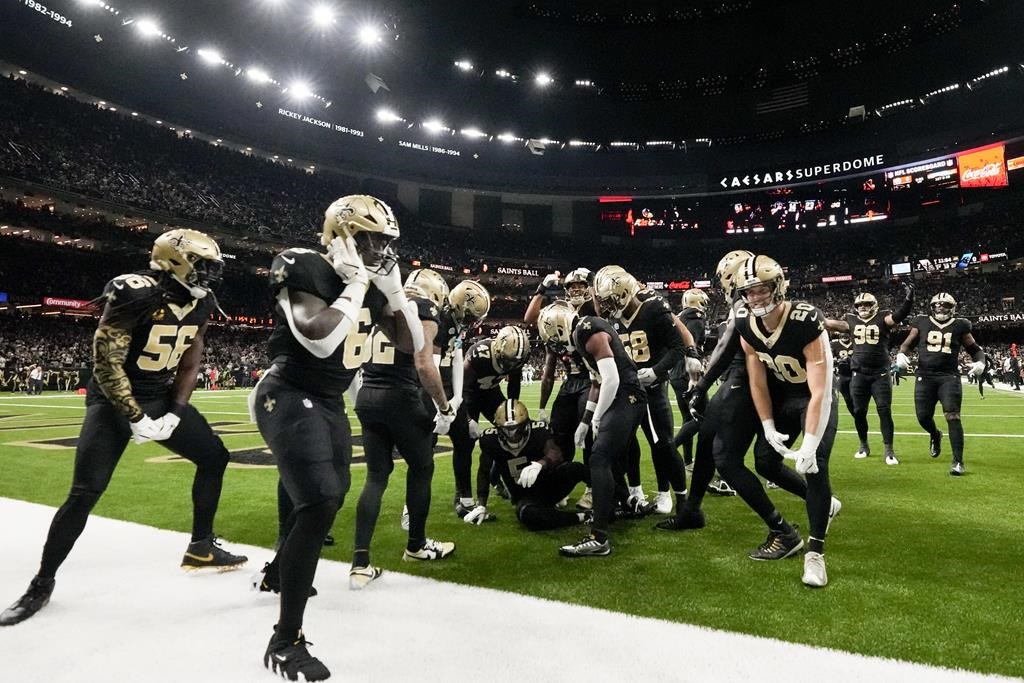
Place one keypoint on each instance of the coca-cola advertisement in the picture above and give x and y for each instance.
(983, 167)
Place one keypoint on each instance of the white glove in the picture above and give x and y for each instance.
(443, 421)
(476, 516)
(171, 422)
(347, 262)
(148, 429)
(390, 285)
(580, 437)
(646, 376)
(977, 368)
(694, 367)
(474, 429)
(455, 403)
(902, 362)
(595, 427)
(528, 475)
(777, 440)
(806, 460)
(551, 279)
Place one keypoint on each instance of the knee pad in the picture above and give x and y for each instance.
(952, 416)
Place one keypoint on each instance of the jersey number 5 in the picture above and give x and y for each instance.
(165, 347)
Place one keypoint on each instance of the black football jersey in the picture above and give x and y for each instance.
(577, 378)
(487, 374)
(309, 271)
(450, 335)
(696, 323)
(870, 343)
(587, 328)
(842, 350)
(511, 463)
(782, 351)
(387, 366)
(938, 344)
(649, 333)
(162, 327)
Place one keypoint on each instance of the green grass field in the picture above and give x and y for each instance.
(922, 566)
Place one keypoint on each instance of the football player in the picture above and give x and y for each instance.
(842, 350)
(616, 405)
(146, 355)
(728, 425)
(870, 329)
(532, 467)
(571, 400)
(789, 362)
(323, 317)
(938, 338)
(985, 376)
(694, 318)
(487, 363)
(656, 341)
(392, 379)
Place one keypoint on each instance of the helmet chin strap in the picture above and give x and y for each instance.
(195, 291)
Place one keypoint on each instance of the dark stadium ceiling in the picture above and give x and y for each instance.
(650, 70)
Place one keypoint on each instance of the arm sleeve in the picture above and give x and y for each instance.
(609, 386)
(726, 349)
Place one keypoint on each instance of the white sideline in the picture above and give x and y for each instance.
(122, 610)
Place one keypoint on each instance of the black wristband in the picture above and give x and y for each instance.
(692, 352)
(177, 409)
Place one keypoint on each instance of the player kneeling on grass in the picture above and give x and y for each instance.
(789, 340)
(532, 468)
(146, 354)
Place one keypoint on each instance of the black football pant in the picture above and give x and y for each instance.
(864, 387)
(475, 404)
(947, 390)
(844, 391)
(657, 427)
(789, 415)
(731, 426)
(311, 440)
(618, 425)
(537, 509)
(684, 437)
(566, 413)
(394, 418)
(104, 436)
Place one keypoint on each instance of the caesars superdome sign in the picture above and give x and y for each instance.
(766, 177)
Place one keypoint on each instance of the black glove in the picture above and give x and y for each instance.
(696, 402)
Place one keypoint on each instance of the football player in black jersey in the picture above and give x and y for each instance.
(530, 463)
(487, 363)
(392, 379)
(789, 362)
(146, 355)
(656, 340)
(694, 317)
(842, 349)
(938, 338)
(985, 376)
(870, 328)
(616, 405)
(323, 317)
(571, 400)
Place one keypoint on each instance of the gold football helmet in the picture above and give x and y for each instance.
(866, 305)
(695, 298)
(513, 422)
(577, 287)
(555, 323)
(469, 302)
(510, 349)
(192, 259)
(727, 265)
(428, 284)
(369, 222)
(754, 272)
(613, 289)
(943, 306)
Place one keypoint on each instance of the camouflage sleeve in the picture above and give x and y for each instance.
(110, 351)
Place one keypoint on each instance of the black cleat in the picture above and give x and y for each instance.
(682, 520)
(935, 445)
(207, 554)
(720, 487)
(268, 580)
(34, 599)
(634, 508)
(779, 546)
(501, 490)
(328, 540)
(291, 659)
(589, 546)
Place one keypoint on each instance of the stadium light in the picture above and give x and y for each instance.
(210, 56)
(300, 90)
(474, 133)
(464, 65)
(257, 75)
(322, 15)
(508, 137)
(387, 116)
(543, 79)
(147, 28)
(434, 126)
(90, 3)
(369, 35)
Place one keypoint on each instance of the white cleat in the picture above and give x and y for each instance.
(814, 570)
(891, 459)
(431, 550)
(405, 517)
(833, 511)
(862, 453)
(586, 501)
(360, 577)
(663, 503)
